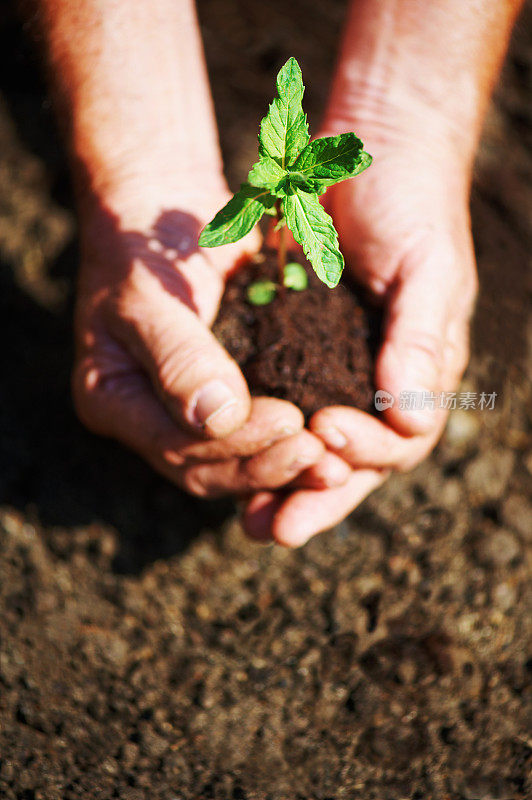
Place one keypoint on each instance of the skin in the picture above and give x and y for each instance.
(413, 80)
(404, 229)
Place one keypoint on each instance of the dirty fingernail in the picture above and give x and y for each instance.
(333, 438)
(213, 401)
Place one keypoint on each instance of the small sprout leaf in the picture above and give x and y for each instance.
(295, 277)
(261, 293)
(284, 130)
(313, 229)
(238, 217)
(266, 173)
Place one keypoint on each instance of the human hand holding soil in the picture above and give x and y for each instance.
(151, 374)
(139, 123)
(413, 81)
(419, 267)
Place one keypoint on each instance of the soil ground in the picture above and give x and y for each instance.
(147, 650)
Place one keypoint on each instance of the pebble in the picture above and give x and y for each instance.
(497, 548)
(129, 753)
(505, 596)
(462, 429)
(153, 745)
(487, 475)
(517, 514)
(451, 492)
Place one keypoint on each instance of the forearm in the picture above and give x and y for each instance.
(132, 92)
(413, 63)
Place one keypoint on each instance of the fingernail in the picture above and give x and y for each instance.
(213, 400)
(333, 438)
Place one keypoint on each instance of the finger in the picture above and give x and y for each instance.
(270, 420)
(364, 441)
(284, 460)
(114, 400)
(306, 512)
(200, 385)
(328, 472)
(258, 515)
(425, 346)
(228, 258)
(269, 470)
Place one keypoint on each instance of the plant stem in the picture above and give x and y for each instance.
(281, 250)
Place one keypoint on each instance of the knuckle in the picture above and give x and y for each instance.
(255, 482)
(178, 361)
(194, 483)
(423, 342)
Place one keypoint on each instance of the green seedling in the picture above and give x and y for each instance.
(295, 277)
(286, 182)
(261, 293)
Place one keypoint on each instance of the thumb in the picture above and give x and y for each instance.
(200, 385)
(410, 365)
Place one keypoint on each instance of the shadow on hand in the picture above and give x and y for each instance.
(51, 468)
(173, 237)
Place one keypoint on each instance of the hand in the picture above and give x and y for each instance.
(404, 230)
(150, 373)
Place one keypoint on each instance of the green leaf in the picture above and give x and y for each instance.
(329, 156)
(284, 130)
(329, 160)
(295, 276)
(238, 217)
(266, 173)
(261, 293)
(314, 230)
(364, 162)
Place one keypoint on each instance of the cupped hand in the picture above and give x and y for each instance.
(150, 373)
(405, 233)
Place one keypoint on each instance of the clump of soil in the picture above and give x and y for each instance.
(314, 348)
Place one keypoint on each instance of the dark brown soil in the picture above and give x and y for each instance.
(312, 347)
(147, 650)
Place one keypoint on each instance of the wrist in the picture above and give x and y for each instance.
(391, 118)
(136, 190)
(420, 75)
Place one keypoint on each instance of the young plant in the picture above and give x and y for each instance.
(286, 182)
